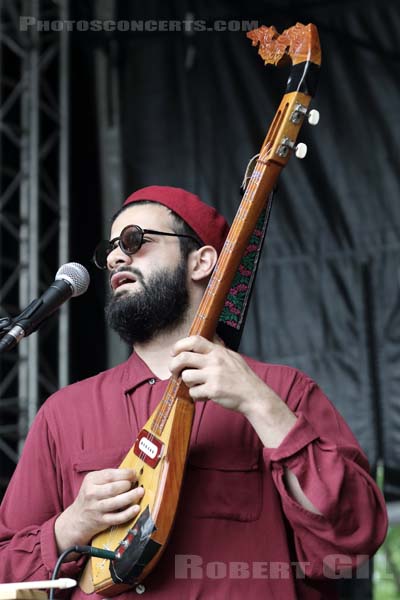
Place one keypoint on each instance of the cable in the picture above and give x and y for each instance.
(91, 550)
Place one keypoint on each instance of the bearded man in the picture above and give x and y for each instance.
(276, 499)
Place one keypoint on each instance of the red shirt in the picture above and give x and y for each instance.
(238, 533)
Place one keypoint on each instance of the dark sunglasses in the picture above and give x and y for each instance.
(130, 241)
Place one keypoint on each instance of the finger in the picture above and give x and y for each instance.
(110, 475)
(109, 490)
(121, 517)
(121, 502)
(199, 393)
(193, 377)
(186, 360)
(194, 343)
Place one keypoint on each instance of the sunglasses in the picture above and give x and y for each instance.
(130, 240)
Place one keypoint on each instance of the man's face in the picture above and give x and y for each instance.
(149, 288)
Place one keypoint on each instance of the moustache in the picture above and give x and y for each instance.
(138, 274)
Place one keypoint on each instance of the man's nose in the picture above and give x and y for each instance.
(117, 258)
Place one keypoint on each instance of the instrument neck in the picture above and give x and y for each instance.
(261, 183)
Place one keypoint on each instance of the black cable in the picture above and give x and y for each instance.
(91, 550)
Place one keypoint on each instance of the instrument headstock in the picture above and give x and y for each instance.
(299, 46)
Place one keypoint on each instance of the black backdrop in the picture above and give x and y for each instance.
(195, 108)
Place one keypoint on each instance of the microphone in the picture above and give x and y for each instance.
(72, 279)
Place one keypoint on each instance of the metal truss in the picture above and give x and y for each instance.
(34, 224)
(110, 147)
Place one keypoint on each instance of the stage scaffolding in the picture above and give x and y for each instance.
(34, 222)
(109, 134)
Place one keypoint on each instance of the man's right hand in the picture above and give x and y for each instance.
(106, 498)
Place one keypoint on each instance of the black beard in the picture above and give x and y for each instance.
(158, 307)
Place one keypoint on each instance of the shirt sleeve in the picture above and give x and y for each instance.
(333, 473)
(29, 509)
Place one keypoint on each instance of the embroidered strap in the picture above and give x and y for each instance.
(233, 316)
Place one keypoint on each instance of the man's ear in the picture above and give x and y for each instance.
(202, 263)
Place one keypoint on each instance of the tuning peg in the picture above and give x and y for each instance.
(300, 150)
(313, 117)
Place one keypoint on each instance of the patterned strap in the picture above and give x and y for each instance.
(233, 316)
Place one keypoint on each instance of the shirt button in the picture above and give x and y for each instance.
(152, 381)
(140, 589)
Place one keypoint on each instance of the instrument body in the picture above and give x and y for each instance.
(159, 453)
(158, 457)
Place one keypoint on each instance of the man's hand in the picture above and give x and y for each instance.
(106, 498)
(214, 372)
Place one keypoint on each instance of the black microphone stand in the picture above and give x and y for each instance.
(6, 323)
(23, 320)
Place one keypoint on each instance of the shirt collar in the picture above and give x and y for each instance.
(135, 373)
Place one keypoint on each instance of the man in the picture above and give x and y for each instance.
(277, 500)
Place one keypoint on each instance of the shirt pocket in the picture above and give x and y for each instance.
(223, 487)
(95, 460)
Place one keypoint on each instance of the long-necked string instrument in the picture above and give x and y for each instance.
(159, 452)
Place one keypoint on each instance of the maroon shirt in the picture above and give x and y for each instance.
(238, 532)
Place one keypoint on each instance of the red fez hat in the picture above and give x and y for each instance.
(205, 221)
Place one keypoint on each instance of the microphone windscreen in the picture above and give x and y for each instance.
(76, 275)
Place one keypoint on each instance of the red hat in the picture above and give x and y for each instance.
(205, 221)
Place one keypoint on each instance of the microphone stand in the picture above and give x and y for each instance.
(6, 323)
(23, 321)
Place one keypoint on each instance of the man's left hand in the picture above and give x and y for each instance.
(212, 371)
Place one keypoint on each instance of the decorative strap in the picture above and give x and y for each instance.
(233, 315)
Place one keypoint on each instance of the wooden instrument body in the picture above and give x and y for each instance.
(167, 432)
(160, 481)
